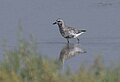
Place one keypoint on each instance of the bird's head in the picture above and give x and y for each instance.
(59, 22)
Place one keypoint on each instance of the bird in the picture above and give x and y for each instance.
(67, 31)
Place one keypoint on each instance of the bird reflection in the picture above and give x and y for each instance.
(69, 51)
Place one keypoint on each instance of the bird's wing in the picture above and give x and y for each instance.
(74, 30)
(68, 33)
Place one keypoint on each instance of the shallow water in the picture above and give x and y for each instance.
(100, 18)
(83, 53)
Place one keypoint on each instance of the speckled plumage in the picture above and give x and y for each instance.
(68, 32)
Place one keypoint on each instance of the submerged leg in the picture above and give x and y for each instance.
(78, 40)
(68, 40)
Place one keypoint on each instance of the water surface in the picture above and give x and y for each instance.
(101, 19)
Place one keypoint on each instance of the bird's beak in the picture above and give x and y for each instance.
(54, 23)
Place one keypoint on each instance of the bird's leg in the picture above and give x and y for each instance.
(78, 40)
(68, 45)
(67, 40)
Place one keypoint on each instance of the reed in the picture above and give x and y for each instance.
(24, 64)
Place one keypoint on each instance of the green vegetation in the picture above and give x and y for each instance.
(25, 64)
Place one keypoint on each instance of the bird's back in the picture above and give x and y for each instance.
(67, 32)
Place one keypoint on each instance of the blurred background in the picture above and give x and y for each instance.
(101, 19)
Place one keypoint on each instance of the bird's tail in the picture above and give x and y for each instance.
(83, 30)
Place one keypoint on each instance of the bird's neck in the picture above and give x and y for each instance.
(61, 25)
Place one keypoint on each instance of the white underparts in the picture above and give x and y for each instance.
(76, 35)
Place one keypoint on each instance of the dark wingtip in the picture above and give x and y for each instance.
(83, 30)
